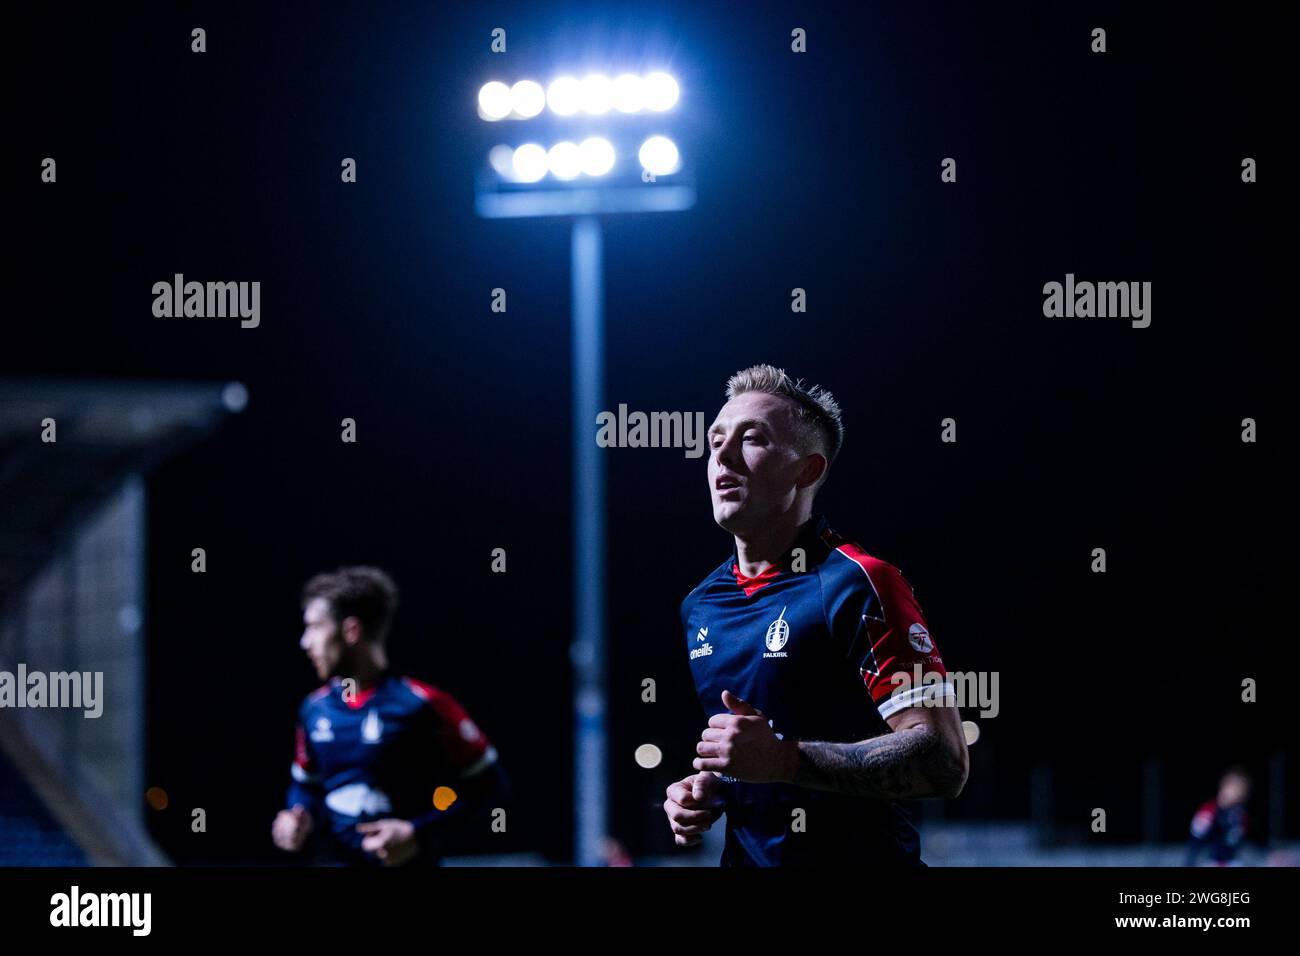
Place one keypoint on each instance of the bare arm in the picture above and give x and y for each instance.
(924, 756)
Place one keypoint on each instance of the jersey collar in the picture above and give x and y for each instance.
(362, 695)
(808, 539)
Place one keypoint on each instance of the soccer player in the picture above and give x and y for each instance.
(386, 766)
(794, 642)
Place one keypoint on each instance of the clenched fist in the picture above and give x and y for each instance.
(694, 804)
(291, 828)
(743, 745)
(393, 841)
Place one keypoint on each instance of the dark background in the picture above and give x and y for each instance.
(819, 171)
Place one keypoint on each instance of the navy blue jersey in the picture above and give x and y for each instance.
(1223, 829)
(814, 642)
(381, 754)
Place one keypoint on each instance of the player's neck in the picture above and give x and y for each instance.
(763, 547)
(369, 668)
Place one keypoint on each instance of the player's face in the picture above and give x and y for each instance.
(1233, 790)
(754, 465)
(322, 638)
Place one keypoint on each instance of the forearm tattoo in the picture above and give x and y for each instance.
(893, 766)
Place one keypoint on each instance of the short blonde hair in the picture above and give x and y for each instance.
(817, 414)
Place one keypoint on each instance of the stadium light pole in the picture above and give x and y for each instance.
(615, 159)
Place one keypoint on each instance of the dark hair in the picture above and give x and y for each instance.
(368, 594)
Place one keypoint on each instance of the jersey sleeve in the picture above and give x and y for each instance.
(876, 618)
(466, 748)
(304, 771)
(1203, 820)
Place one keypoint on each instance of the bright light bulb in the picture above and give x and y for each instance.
(527, 98)
(564, 96)
(597, 156)
(494, 101)
(661, 92)
(597, 94)
(659, 155)
(564, 160)
(529, 163)
(629, 93)
(501, 157)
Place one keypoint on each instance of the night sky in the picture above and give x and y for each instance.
(818, 171)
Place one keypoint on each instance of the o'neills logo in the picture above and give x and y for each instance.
(208, 300)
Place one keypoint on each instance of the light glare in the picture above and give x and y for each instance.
(494, 101)
(648, 756)
(564, 95)
(564, 160)
(661, 92)
(597, 156)
(527, 98)
(659, 155)
(529, 163)
(597, 94)
(501, 157)
(629, 93)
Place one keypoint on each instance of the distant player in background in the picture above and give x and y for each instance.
(794, 643)
(1221, 824)
(386, 766)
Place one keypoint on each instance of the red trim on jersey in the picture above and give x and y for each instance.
(460, 737)
(361, 697)
(900, 639)
(762, 579)
(301, 757)
(863, 560)
(427, 691)
(1203, 819)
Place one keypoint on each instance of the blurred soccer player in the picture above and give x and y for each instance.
(372, 747)
(793, 644)
(1221, 824)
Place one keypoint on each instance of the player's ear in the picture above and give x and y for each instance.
(352, 630)
(814, 466)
